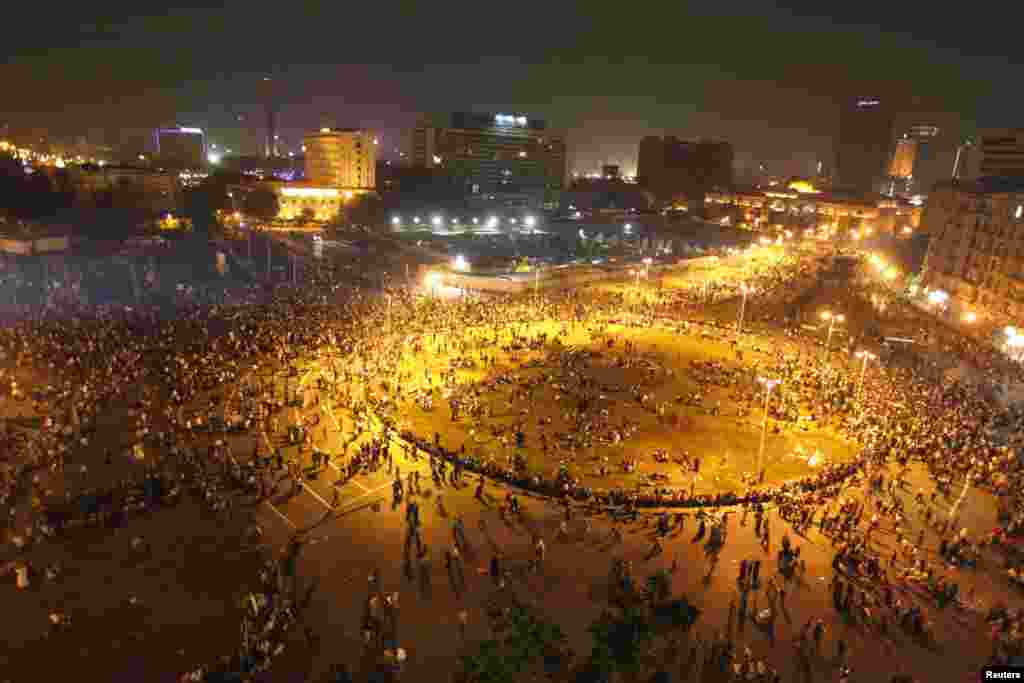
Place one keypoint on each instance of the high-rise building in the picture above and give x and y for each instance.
(876, 132)
(673, 168)
(181, 147)
(1001, 152)
(488, 154)
(976, 250)
(903, 158)
(935, 145)
(864, 144)
(344, 158)
(268, 93)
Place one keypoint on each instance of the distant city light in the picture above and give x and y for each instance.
(492, 222)
(325, 130)
(461, 264)
(509, 120)
(396, 221)
(310, 192)
(628, 227)
(213, 158)
(475, 220)
(530, 221)
(416, 220)
(435, 221)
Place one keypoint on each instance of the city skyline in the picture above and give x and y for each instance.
(730, 78)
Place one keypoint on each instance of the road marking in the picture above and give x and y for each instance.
(281, 515)
(317, 496)
(368, 493)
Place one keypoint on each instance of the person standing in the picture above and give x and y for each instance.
(495, 570)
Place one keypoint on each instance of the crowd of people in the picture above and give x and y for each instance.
(184, 380)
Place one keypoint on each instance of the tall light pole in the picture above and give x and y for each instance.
(769, 384)
(832, 319)
(865, 356)
(743, 310)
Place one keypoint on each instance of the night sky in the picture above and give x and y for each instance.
(768, 79)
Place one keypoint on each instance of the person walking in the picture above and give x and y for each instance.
(495, 569)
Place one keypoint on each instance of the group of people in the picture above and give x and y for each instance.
(182, 374)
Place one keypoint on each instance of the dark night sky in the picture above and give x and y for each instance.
(765, 77)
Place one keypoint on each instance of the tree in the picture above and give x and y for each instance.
(620, 640)
(526, 645)
(365, 209)
(658, 588)
(629, 639)
(129, 194)
(260, 204)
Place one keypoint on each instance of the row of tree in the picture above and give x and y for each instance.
(32, 196)
(635, 638)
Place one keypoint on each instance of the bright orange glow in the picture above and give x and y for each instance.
(803, 187)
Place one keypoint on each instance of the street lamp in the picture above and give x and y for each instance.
(1015, 341)
(433, 280)
(768, 384)
(743, 310)
(832, 319)
(864, 355)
